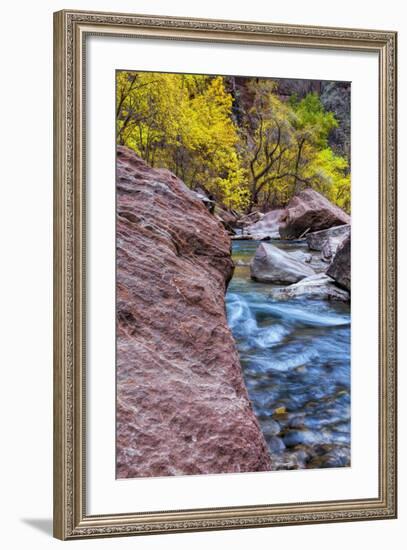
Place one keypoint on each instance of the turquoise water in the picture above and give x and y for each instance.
(295, 357)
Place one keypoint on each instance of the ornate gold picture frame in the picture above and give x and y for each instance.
(71, 519)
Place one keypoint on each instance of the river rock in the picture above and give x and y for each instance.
(182, 405)
(249, 219)
(301, 256)
(327, 241)
(276, 444)
(293, 438)
(336, 458)
(270, 428)
(318, 287)
(309, 211)
(227, 218)
(339, 269)
(268, 226)
(272, 265)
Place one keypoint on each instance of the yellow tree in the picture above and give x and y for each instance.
(183, 123)
(258, 160)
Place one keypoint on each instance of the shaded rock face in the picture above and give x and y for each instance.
(269, 225)
(227, 218)
(182, 406)
(335, 97)
(316, 287)
(339, 269)
(327, 241)
(308, 212)
(272, 265)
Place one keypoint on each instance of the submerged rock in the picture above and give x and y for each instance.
(318, 287)
(271, 428)
(272, 265)
(182, 405)
(292, 438)
(308, 212)
(339, 269)
(335, 458)
(276, 444)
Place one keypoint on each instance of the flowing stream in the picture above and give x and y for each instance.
(295, 356)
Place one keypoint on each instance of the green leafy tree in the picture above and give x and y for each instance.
(282, 143)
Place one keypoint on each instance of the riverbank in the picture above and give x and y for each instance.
(295, 357)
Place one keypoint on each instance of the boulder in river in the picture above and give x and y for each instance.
(339, 269)
(268, 226)
(273, 265)
(182, 404)
(249, 219)
(318, 287)
(309, 211)
(327, 241)
(301, 256)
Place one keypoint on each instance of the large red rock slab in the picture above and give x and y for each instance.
(182, 405)
(309, 211)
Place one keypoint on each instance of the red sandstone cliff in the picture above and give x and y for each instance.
(182, 406)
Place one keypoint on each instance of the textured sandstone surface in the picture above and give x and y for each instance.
(182, 406)
(309, 211)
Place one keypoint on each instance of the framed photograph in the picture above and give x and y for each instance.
(225, 274)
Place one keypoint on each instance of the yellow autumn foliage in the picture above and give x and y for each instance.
(186, 123)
